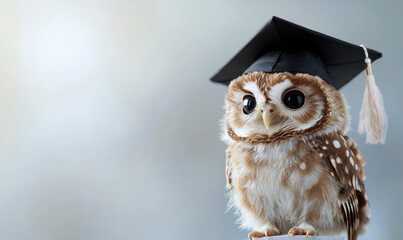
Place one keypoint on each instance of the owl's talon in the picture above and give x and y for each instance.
(296, 231)
(308, 231)
(311, 232)
(266, 233)
(254, 234)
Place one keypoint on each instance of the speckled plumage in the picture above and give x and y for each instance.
(303, 175)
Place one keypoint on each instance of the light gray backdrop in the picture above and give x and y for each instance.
(109, 124)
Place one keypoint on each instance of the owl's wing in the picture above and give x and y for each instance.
(228, 169)
(345, 162)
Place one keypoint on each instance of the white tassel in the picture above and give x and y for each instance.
(372, 115)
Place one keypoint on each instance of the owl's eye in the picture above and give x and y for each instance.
(249, 104)
(294, 99)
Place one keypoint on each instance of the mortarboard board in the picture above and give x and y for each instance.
(284, 46)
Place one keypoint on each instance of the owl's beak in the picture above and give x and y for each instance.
(266, 119)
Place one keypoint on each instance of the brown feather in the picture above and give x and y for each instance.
(340, 156)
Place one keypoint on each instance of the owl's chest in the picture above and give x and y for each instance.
(272, 170)
(280, 184)
(264, 185)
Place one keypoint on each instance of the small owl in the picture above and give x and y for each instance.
(290, 167)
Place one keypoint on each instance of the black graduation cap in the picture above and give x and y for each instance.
(284, 46)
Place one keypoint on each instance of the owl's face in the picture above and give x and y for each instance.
(283, 105)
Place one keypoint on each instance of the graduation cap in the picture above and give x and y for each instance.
(282, 46)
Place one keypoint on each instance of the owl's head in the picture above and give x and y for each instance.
(268, 107)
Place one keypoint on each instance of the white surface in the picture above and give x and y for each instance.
(302, 237)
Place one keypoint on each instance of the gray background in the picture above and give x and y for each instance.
(109, 126)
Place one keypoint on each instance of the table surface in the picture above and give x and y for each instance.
(285, 237)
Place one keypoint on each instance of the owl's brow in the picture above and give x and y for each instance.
(264, 87)
(241, 88)
(247, 91)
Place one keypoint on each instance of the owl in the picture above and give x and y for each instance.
(290, 167)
